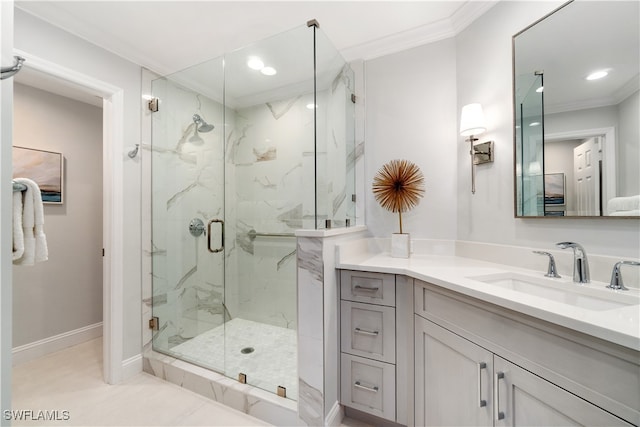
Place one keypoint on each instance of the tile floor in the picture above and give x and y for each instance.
(272, 362)
(71, 380)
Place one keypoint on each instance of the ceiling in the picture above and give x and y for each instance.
(580, 38)
(168, 36)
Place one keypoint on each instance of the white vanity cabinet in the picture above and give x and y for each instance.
(460, 383)
(376, 344)
(367, 342)
(481, 365)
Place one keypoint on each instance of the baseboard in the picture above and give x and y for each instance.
(131, 366)
(31, 351)
(335, 416)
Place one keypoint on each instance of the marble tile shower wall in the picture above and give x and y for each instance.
(272, 159)
(267, 159)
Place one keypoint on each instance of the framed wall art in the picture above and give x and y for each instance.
(45, 168)
(554, 189)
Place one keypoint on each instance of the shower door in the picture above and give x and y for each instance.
(187, 168)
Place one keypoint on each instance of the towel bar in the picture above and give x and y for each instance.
(18, 187)
(253, 234)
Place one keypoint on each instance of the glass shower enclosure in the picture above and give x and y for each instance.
(529, 137)
(246, 149)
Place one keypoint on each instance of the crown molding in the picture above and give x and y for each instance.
(400, 41)
(469, 12)
(424, 34)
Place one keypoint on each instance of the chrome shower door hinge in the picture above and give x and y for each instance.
(353, 98)
(153, 104)
(154, 323)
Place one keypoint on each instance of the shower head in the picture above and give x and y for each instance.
(201, 125)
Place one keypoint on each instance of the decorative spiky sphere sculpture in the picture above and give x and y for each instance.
(398, 186)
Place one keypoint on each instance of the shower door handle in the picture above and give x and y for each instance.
(221, 247)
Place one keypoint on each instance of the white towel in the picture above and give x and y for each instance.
(18, 234)
(35, 241)
(618, 204)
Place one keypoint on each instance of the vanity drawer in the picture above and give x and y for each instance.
(362, 286)
(368, 330)
(369, 386)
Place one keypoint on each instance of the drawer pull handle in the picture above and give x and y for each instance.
(499, 415)
(481, 402)
(373, 389)
(365, 332)
(366, 288)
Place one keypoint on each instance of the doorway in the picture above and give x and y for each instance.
(58, 303)
(112, 202)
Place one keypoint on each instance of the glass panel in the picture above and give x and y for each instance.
(529, 145)
(335, 133)
(269, 127)
(239, 145)
(187, 160)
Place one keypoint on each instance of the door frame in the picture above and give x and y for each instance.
(112, 206)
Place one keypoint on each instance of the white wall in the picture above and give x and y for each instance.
(64, 293)
(410, 101)
(53, 44)
(629, 146)
(484, 75)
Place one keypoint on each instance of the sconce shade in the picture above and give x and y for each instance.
(472, 120)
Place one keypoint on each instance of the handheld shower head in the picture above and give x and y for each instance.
(201, 125)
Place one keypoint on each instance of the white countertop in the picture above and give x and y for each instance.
(616, 325)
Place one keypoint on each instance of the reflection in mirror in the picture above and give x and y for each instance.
(576, 137)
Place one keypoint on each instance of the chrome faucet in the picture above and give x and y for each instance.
(552, 271)
(580, 262)
(616, 276)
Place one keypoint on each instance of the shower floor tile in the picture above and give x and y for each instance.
(272, 363)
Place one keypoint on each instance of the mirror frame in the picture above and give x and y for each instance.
(514, 131)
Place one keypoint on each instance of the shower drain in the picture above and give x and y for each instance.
(247, 350)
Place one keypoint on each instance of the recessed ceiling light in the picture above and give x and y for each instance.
(540, 89)
(268, 71)
(534, 124)
(255, 63)
(597, 75)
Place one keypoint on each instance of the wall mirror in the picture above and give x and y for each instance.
(576, 136)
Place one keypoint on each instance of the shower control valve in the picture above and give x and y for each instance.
(196, 227)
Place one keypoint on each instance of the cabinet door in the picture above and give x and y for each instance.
(453, 382)
(524, 399)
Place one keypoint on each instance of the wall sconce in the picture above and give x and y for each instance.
(471, 124)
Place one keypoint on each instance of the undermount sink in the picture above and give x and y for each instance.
(561, 291)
